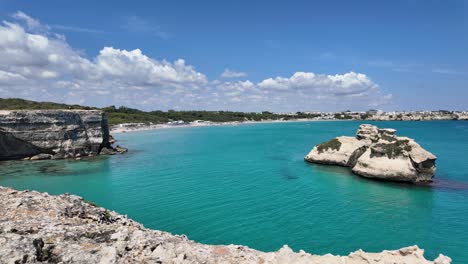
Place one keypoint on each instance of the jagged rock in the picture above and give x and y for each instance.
(60, 133)
(40, 228)
(378, 153)
(120, 149)
(107, 151)
(368, 132)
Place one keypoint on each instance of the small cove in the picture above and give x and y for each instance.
(249, 185)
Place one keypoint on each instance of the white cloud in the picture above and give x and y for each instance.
(36, 63)
(346, 84)
(31, 23)
(232, 74)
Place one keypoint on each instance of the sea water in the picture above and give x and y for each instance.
(249, 185)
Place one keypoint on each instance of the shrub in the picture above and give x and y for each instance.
(333, 144)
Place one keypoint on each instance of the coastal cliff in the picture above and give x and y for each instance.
(377, 153)
(37, 227)
(52, 134)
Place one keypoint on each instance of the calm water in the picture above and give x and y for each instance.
(249, 185)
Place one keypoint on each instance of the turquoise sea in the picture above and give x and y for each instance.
(249, 185)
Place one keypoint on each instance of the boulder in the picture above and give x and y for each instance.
(120, 149)
(42, 156)
(107, 151)
(378, 153)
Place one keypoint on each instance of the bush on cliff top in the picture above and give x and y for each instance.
(333, 144)
(391, 150)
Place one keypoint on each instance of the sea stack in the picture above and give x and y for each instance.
(53, 134)
(377, 153)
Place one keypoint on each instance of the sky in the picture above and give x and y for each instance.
(257, 55)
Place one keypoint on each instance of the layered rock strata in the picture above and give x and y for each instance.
(45, 134)
(40, 228)
(377, 153)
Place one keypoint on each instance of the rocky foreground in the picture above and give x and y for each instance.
(38, 227)
(54, 134)
(377, 153)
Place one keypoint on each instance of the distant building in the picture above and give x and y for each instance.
(374, 112)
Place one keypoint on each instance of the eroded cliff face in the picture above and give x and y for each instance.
(378, 153)
(56, 133)
(40, 228)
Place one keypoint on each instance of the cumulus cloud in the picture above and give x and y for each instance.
(346, 84)
(232, 74)
(38, 64)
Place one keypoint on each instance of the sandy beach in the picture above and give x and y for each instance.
(143, 127)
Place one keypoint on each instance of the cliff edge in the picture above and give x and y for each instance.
(37, 227)
(53, 134)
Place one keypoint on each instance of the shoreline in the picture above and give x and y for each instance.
(116, 130)
(38, 227)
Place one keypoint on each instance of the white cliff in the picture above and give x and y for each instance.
(43, 134)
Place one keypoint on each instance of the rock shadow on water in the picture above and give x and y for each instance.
(439, 182)
(52, 168)
(288, 174)
(446, 185)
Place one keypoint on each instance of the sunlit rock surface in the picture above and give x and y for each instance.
(40, 228)
(378, 153)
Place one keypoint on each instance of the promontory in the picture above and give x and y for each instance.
(377, 153)
(54, 134)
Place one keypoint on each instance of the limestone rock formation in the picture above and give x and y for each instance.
(56, 133)
(337, 151)
(378, 153)
(40, 228)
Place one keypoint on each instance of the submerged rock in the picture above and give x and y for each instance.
(41, 228)
(378, 153)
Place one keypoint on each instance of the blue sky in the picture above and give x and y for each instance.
(275, 55)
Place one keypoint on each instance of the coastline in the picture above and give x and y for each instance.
(135, 127)
(116, 130)
(38, 227)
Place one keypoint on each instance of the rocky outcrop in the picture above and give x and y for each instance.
(337, 151)
(37, 227)
(57, 133)
(378, 153)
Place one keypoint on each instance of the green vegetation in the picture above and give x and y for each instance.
(333, 144)
(343, 116)
(107, 216)
(365, 116)
(391, 150)
(21, 104)
(119, 115)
